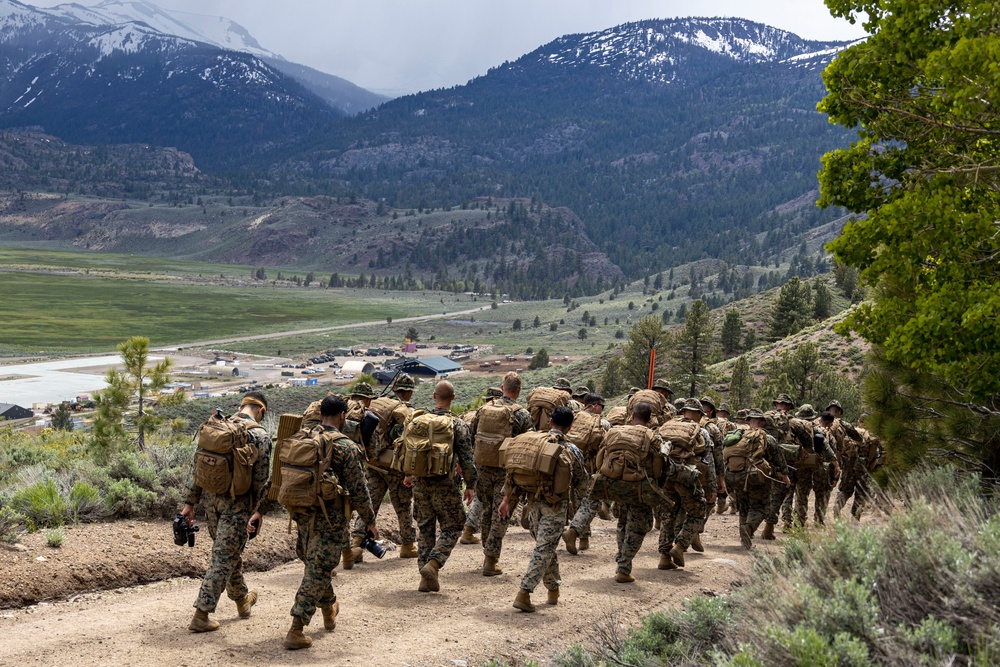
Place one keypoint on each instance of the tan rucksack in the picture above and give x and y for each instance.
(586, 433)
(618, 416)
(541, 402)
(539, 465)
(224, 459)
(685, 439)
(390, 411)
(748, 454)
(306, 480)
(655, 401)
(494, 424)
(426, 448)
(805, 456)
(628, 454)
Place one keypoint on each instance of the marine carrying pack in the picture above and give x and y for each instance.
(306, 478)
(685, 439)
(618, 415)
(541, 402)
(390, 411)
(655, 401)
(539, 465)
(224, 459)
(426, 448)
(494, 424)
(628, 454)
(803, 432)
(748, 454)
(586, 433)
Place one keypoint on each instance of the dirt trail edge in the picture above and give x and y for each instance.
(383, 619)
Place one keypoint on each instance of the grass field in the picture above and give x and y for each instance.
(47, 313)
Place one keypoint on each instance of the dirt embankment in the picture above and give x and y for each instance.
(384, 620)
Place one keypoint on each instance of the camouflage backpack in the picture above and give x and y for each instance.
(628, 454)
(776, 425)
(541, 402)
(655, 401)
(586, 433)
(390, 411)
(426, 448)
(748, 455)
(494, 424)
(803, 454)
(539, 465)
(305, 479)
(224, 459)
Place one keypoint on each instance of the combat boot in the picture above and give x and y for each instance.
(666, 563)
(330, 616)
(746, 537)
(202, 623)
(603, 512)
(677, 553)
(243, 606)
(295, 640)
(429, 577)
(348, 555)
(490, 568)
(584, 543)
(356, 549)
(408, 550)
(768, 532)
(468, 536)
(624, 577)
(656, 523)
(552, 597)
(523, 601)
(696, 544)
(569, 537)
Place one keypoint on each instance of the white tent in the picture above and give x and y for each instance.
(358, 366)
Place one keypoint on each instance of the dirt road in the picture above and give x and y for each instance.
(383, 620)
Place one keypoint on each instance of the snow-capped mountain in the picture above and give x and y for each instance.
(664, 51)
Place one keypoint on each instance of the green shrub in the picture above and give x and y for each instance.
(85, 503)
(10, 525)
(576, 656)
(54, 537)
(41, 504)
(124, 499)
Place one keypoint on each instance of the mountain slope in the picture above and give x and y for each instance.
(673, 140)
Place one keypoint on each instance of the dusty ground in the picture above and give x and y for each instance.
(383, 621)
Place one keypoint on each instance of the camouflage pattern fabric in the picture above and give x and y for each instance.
(490, 485)
(227, 525)
(804, 484)
(546, 526)
(584, 516)
(854, 481)
(474, 517)
(379, 483)
(692, 503)
(634, 521)
(320, 541)
(437, 501)
(752, 498)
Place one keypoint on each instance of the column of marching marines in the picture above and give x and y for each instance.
(653, 463)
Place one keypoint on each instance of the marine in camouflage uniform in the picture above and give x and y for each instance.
(437, 501)
(546, 521)
(684, 518)
(753, 493)
(474, 517)
(562, 384)
(807, 478)
(228, 521)
(323, 536)
(381, 482)
(589, 508)
(491, 479)
(853, 465)
(776, 424)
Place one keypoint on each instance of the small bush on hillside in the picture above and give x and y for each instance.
(54, 537)
(10, 525)
(41, 504)
(126, 500)
(85, 503)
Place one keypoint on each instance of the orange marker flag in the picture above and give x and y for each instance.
(652, 363)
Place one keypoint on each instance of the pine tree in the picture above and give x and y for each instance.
(692, 347)
(822, 301)
(647, 335)
(791, 311)
(741, 384)
(732, 332)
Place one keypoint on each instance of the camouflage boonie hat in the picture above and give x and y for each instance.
(742, 414)
(806, 412)
(723, 407)
(404, 382)
(663, 384)
(493, 392)
(563, 383)
(707, 400)
(692, 404)
(754, 413)
(783, 398)
(679, 402)
(581, 391)
(362, 390)
(834, 404)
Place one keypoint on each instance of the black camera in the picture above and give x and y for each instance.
(370, 545)
(183, 533)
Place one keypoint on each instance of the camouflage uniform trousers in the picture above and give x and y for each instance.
(854, 481)
(437, 501)
(400, 496)
(634, 521)
(546, 526)
(673, 527)
(227, 524)
(318, 546)
(489, 490)
(474, 517)
(808, 480)
(584, 516)
(781, 500)
(753, 499)
(823, 487)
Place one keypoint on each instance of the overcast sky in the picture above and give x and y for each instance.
(409, 45)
